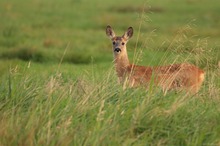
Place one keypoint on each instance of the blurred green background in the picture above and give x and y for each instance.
(47, 32)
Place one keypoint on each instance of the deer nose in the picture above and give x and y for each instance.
(117, 50)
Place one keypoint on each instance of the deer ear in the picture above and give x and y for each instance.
(109, 32)
(128, 34)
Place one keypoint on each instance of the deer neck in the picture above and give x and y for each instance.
(121, 63)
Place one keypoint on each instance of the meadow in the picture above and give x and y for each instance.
(58, 84)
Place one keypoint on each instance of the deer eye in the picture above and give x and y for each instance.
(123, 43)
(113, 43)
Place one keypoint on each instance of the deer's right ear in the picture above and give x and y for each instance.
(109, 32)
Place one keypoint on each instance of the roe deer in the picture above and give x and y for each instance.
(183, 76)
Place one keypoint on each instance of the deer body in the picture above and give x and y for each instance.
(183, 76)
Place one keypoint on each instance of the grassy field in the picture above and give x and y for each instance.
(57, 80)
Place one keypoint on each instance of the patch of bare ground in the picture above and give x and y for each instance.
(130, 9)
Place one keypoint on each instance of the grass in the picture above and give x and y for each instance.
(58, 85)
(53, 111)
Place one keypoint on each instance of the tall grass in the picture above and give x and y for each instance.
(106, 115)
(94, 111)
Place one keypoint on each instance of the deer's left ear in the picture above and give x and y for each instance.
(128, 34)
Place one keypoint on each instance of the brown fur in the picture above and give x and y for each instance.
(183, 76)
